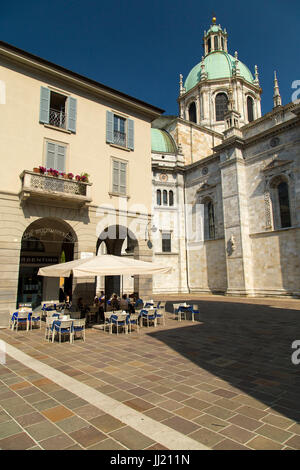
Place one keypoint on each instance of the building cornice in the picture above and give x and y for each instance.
(219, 81)
(97, 89)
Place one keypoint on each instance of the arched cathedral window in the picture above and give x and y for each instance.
(165, 197)
(158, 197)
(250, 104)
(192, 112)
(280, 202)
(171, 198)
(284, 204)
(222, 43)
(209, 45)
(221, 103)
(209, 220)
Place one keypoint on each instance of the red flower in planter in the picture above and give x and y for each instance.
(42, 169)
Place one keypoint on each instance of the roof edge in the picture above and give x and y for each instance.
(153, 110)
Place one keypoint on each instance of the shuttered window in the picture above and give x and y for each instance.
(56, 156)
(119, 131)
(119, 177)
(58, 110)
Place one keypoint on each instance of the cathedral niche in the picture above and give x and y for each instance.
(192, 112)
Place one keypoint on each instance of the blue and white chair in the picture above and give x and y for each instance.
(20, 317)
(62, 328)
(134, 321)
(118, 321)
(150, 316)
(160, 313)
(79, 327)
(35, 319)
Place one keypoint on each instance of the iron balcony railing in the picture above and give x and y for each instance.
(57, 118)
(120, 138)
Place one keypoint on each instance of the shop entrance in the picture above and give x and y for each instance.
(46, 241)
(119, 241)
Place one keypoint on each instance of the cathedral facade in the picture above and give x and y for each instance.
(231, 175)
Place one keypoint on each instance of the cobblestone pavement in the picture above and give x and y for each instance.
(225, 381)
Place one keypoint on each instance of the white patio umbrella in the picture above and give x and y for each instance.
(103, 265)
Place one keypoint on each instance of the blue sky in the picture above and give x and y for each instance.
(140, 47)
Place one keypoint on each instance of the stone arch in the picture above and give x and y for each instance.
(117, 240)
(56, 236)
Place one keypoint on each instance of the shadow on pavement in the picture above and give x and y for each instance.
(248, 346)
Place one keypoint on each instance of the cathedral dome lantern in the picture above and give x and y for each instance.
(209, 80)
(215, 39)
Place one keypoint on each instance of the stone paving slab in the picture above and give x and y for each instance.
(225, 381)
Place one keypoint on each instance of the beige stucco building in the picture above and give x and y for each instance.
(56, 119)
(213, 192)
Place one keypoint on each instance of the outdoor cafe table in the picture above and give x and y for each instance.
(185, 308)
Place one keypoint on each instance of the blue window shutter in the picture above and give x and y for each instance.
(56, 156)
(109, 127)
(60, 158)
(50, 160)
(44, 105)
(72, 112)
(130, 141)
(116, 176)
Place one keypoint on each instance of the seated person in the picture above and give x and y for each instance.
(115, 304)
(124, 303)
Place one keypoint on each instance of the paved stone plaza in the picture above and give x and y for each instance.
(225, 381)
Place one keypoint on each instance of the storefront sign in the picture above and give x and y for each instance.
(39, 260)
(43, 232)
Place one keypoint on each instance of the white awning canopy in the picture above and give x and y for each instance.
(103, 265)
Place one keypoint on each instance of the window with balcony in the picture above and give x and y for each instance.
(119, 130)
(58, 110)
(56, 156)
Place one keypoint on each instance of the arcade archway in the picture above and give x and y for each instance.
(119, 241)
(46, 241)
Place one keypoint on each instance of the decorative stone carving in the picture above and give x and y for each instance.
(268, 210)
(231, 245)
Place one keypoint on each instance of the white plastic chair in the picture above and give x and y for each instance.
(64, 327)
(79, 326)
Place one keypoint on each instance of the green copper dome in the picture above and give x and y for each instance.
(218, 64)
(214, 29)
(162, 142)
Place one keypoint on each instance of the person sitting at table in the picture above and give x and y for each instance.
(124, 302)
(115, 304)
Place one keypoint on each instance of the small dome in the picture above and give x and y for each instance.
(162, 142)
(214, 29)
(218, 64)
